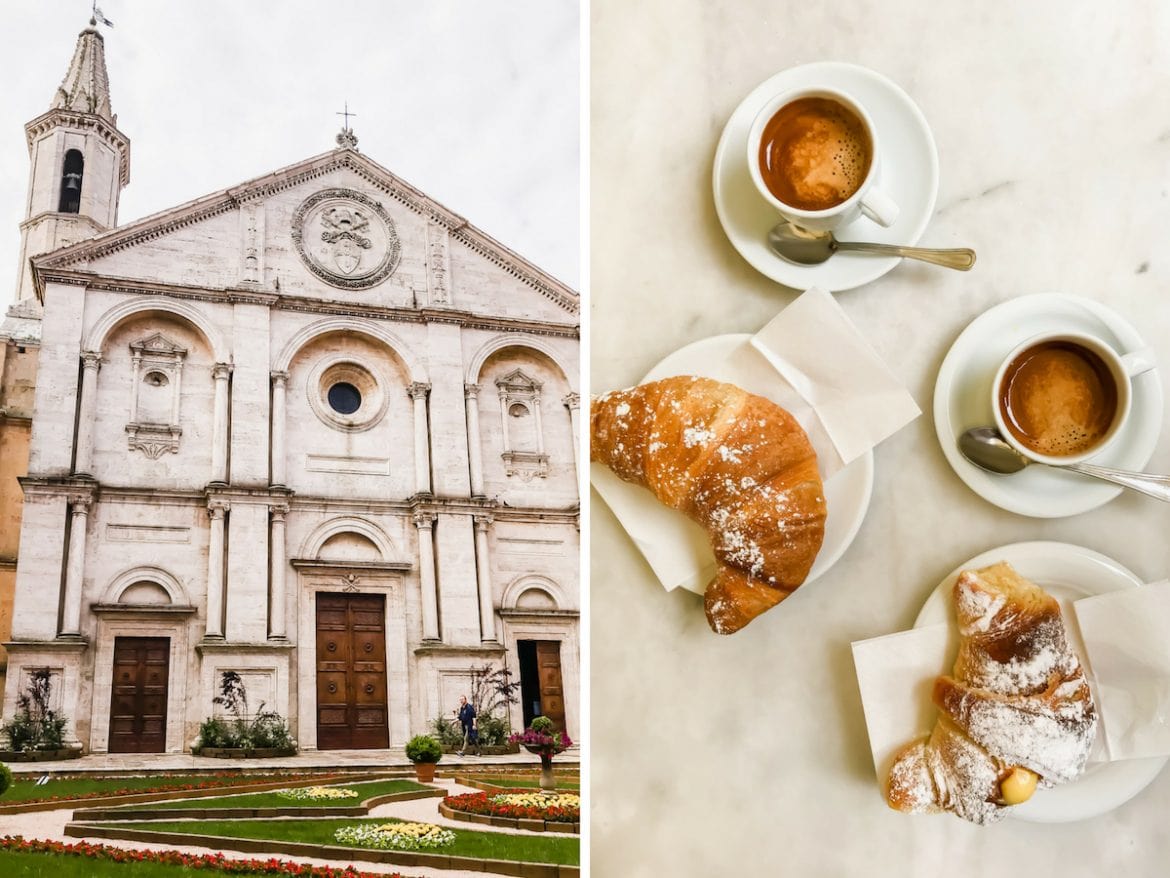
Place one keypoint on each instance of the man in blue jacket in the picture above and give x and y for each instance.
(466, 714)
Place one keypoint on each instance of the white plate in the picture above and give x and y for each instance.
(732, 359)
(909, 175)
(962, 399)
(1068, 572)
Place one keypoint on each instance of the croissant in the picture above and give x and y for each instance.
(739, 465)
(1015, 713)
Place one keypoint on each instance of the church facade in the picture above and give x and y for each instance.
(316, 429)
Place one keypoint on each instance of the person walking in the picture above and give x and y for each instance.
(467, 719)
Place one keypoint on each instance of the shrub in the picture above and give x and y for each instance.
(36, 726)
(543, 724)
(5, 778)
(266, 729)
(493, 730)
(447, 732)
(423, 748)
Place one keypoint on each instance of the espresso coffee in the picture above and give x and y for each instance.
(814, 153)
(1058, 398)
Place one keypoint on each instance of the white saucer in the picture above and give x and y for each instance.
(1068, 572)
(909, 175)
(962, 399)
(730, 358)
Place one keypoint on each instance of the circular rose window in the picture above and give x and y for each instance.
(346, 394)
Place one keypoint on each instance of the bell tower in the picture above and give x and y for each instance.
(79, 161)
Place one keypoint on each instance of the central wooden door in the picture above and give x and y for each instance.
(351, 672)
(552, 693)
(138, 702)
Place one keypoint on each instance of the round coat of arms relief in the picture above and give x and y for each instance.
(346, 238)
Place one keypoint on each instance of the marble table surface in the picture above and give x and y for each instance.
(748, 755)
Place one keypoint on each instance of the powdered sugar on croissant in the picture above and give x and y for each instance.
(1017, 699)
(739, 465)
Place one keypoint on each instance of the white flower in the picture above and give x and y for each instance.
(396, 836)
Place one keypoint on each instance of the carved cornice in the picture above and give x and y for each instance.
(61, 118)
(294, 175)
(305, 304)
(64, 486)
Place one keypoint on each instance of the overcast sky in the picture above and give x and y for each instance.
(475, 102)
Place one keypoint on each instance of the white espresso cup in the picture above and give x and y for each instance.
(1050, 418)
(866, 200)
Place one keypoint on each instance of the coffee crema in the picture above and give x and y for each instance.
(1058, 398)
(814, 153)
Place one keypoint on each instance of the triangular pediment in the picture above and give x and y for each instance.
(337, 226)
(518, 381)
(157, 344)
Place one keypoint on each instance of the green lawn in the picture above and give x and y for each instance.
(23, 790)
(468, 843)
(272, 800)
(525, 782)
(36, 865)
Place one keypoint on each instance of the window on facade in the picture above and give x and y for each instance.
(523, 452)
(71, 174)
(344, 398)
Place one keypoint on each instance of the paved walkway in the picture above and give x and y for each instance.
(342, 760)
(50, 825)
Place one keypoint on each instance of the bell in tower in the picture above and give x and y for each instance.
(71, 174)
(80, 161)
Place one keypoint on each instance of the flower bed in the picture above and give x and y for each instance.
(516, 809)
(317, 794)
(519, 805)
(396, 836)
(17, 844)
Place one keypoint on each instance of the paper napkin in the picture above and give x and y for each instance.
(1127, 643)
(814, 362)
(1124, 642)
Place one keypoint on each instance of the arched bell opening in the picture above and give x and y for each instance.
(72, 171)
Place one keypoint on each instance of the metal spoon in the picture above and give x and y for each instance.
(791, 242)
(985, 448)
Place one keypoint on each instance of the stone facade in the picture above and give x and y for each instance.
(318, 382)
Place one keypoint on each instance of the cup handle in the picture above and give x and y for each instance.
(879, 207)
(1139, 361)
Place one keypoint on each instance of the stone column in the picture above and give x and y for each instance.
(483, 571)
(503, 394)
(474, 440)
(573, 404)
(425, 522)
(219, 446)
(216, 509)
(422, 439)
(87, 411)
(276, 560)
(75, 566)
(279, 386)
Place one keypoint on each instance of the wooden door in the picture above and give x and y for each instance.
(351, 672)
(138, 702)
(552, 694)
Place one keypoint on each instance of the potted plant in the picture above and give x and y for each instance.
(424, 751)
(543, 739)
